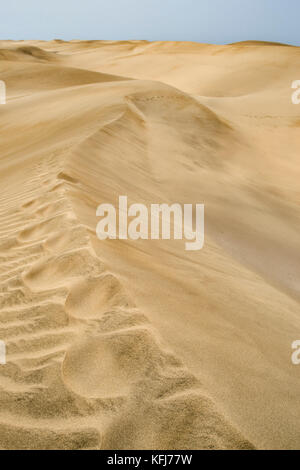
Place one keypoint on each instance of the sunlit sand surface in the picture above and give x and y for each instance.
(123, 344)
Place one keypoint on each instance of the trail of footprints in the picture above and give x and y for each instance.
(84, 367)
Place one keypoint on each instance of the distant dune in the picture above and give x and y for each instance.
(22, 53)
(141, 344)
(260, 43)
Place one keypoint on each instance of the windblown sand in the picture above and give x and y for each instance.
(141, 344)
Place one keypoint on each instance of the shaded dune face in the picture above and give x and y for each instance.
(141, 345)
(80, 351)
(26, 53)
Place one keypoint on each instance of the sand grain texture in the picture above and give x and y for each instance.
(142, 345)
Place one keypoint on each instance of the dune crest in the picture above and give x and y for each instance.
(126, 344)
(79, 349)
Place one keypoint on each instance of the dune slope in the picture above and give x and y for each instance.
(140, 344)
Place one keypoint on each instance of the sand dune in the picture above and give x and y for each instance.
(27, 53)
(140, 344)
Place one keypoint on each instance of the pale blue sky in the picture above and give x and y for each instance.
(213, 21)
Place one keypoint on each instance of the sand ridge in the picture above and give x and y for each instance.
(122, 345)
(84, 364)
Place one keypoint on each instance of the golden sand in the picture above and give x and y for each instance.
(123, 344)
